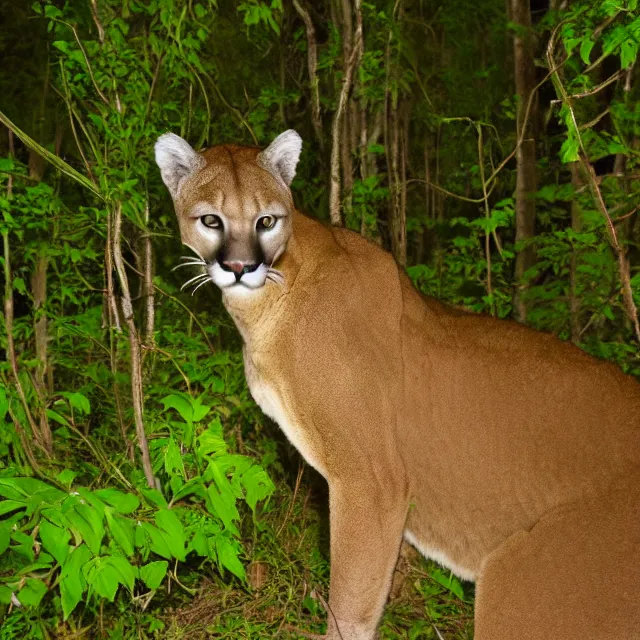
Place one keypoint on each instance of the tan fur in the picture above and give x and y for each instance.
(507, 455)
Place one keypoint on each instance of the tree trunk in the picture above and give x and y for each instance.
(338, 139)
(525, 80)
(312, 66)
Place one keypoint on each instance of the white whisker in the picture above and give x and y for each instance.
(199, 285)
(275, 276)
(198, 277)
(191, 258)
(189, 264)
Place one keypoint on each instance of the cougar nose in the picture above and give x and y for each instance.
(238, 268)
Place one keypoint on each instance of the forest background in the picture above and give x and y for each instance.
(492, 147)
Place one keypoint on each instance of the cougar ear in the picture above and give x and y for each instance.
(177, 160)
(281, 157)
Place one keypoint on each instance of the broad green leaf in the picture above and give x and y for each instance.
(228, 557)
(78, 401)
(7, 506)
(32, 592)
(104, 578)
(56, 517)
(5, 595)
(90, 498)
(193, 486)
(173, 458)
(200, 544)
(56, 417)
(122, 535)
(72, 582)
(125, 569)
(55, 540)
(120, 501)
(168, 522)
(153, 574)
(180, 404)
(257, 484)
(25, 486)
(25, 545)
(87, 524)
(223, 507)
(210, 443)
(585, 49)
(155, 497)
(569, 150)
(159, 543)
(5, 539)
(628, 53)
(66, 477)
(200, 411)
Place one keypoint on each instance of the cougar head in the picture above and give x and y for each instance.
(234, 206)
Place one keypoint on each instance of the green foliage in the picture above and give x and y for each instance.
(93, 85)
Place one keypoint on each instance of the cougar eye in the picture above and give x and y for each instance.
(266, 222)
(212, 221)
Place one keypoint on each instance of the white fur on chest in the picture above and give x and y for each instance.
(272, 405)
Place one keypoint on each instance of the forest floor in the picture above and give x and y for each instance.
(288, 583)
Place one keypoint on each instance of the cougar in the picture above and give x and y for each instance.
(502, 453)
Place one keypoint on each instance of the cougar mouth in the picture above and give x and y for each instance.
(253, 279)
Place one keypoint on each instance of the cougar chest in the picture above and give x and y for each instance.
(272, 397)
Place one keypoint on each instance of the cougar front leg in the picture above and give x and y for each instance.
(367, 522)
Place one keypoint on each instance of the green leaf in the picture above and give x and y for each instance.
(449, 582)
(86, 522)
(5, 595)
(168, 522)
(125, 569)
(257, 484)
(155, 497)
(56, 417)
(223, 508)
(200, 544)
(173, 458)
(192, 486)
(628, 53)
(72, 582)
(228, 557)
(585, 49)
(5, 539)
(7, 506)
(103, 577)
(25, 487)
(153, 574)
(77, 401)
(180, 404)
(66, 477)
(569, 151)
(123, 538)
(159, 543)
(120, 501)
(25, 545)
(32, 592)
(55, 540)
